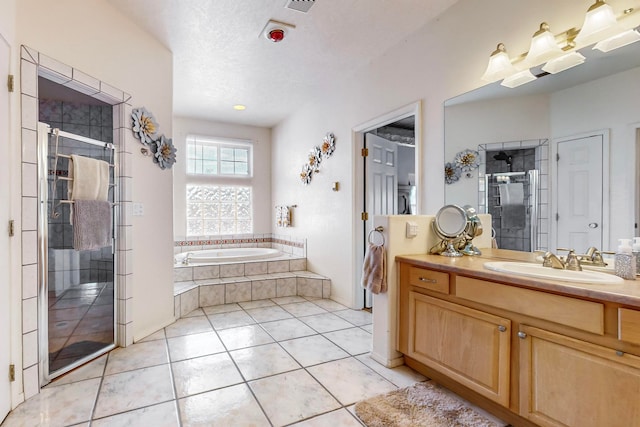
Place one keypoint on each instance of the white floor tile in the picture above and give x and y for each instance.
(134, 389)
(231, 406)
(357, 317)
(268, 314)
(313, 350)
(354, 340)
(339, 418)
(224, 308)
(205, 373)
(287, 329)
(329, 305)
(245, 336)
(188, 325)
(162, 415)
(141, 355)
(349, 380)
(93, 369)
(326, 322)
(257, 304)
(401, 376)
(263, 361)
(194, 345)
(230, 320)
(287, 300)
(303, 309)
(291, 397)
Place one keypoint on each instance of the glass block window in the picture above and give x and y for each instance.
(212, 156)
(218, 209)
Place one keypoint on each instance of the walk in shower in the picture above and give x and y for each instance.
(513, 189)
(77, 310)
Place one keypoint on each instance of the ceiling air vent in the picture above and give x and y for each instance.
(300, 5)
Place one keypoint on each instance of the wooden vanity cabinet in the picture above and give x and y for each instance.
(470, 346)
(568, 382)
(546, 359)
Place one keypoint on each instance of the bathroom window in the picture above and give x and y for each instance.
(218, 209)
(218, 157)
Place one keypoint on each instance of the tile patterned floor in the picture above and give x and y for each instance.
(284, 361)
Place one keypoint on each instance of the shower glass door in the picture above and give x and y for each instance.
(78, 310)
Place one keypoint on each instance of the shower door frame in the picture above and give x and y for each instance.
(44, 131)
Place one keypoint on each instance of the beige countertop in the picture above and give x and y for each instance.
(627, 293)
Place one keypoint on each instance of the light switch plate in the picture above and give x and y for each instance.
(412, 229)
(138, 209)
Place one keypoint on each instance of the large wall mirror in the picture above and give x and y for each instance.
(557, 157)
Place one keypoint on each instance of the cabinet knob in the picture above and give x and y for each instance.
(522, 335)
(502, 328)
(619, 353)
(424, 279)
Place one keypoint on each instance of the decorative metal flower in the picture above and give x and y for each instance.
(145, 126)
(164, 153)
(315, 158)
(451, 173)
(306, 174)
(467, 160)
(328, 145)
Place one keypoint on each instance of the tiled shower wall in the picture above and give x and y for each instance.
(32, 65)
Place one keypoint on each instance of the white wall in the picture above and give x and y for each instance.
(441, 60)
(96, 39)
(485, 122)
(261, 181)
(608, 103)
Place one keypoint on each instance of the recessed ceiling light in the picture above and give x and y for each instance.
(239, 107)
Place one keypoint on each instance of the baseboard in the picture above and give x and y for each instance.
(388, 363)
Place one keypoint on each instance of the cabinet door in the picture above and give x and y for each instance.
(567, 382)
(470, 346)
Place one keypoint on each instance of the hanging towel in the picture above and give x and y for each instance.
(514, 216)
(374, 272)
(90, 178)
(511, 194)
(91, 224)
(283, 216)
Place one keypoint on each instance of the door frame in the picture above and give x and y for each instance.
(359, 184)
(553, 184)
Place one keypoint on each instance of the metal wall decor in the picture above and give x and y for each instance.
(464, 162)
(316, 156)
(160, 148)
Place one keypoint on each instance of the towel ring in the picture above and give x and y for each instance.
(376, 230)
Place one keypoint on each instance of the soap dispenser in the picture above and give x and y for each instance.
(624, 261)
(635, 249)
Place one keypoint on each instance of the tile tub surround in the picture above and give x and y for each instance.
(202, 285)
(228, 365)
(285, 244)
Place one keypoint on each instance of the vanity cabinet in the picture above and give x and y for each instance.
(530, 356)
(468, 345)
(569, 382)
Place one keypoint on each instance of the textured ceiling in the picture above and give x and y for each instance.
(220, 60)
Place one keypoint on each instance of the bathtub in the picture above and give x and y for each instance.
(210, 256)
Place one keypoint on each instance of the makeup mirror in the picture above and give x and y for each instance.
(449, 225)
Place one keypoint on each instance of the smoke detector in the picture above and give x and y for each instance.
(276, 31)
(300, 5)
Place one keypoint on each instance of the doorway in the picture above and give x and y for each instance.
(386, 179)
(5, 331)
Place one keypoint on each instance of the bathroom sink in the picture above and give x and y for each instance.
(537, 270)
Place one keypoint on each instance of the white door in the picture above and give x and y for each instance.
(382, 176)
(5, 393)
(579, 193)
(381, 190)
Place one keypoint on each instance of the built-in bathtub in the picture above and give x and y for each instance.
(213, 256)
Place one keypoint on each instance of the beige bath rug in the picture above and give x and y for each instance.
(422, 404)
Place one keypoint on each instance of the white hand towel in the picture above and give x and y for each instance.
(511, 194)
(374, 272)
(90, 178)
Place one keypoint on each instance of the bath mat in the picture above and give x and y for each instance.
(422, 404)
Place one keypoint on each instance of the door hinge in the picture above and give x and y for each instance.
(557, 157)
(557, 216)
(364, 216)
(364, 152)
(12, 373)
(10, 83)
(12, 230)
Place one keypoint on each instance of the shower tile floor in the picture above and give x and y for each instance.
(285, 361)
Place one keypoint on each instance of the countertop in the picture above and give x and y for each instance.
(627, 293)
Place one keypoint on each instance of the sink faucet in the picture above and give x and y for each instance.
(593, 257)
(185, 260)
(572, 262)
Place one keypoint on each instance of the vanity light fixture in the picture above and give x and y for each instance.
(620, 40)
(544, 47)
(500, 65)
(563, 63)
(599, 23)
(518, 79)
(239, 107)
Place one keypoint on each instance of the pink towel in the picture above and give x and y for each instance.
(374, 272)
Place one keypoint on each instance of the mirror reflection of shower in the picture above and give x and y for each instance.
(511, 197)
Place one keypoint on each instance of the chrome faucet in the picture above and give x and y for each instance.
(185, 260)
